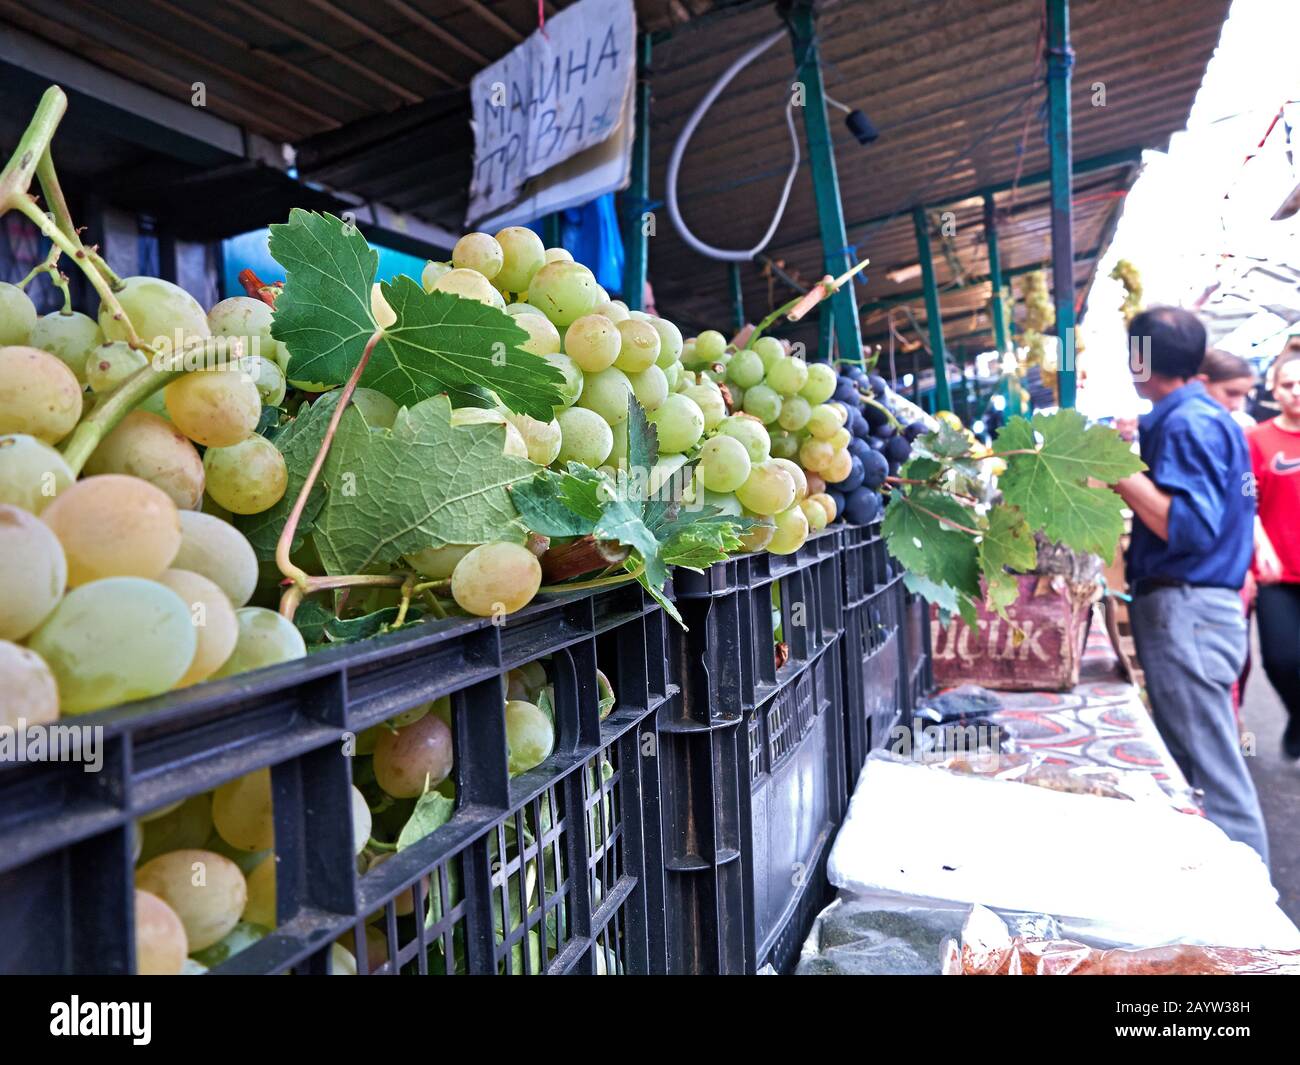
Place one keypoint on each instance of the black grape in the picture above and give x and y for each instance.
(860, 448)
(846, 392)
(856, 474)
(875, 468)
(863, 506)
(897, 449)
(838, 499)
(914, 430)
(874, 416)
(876, 444)
(884, 431)
(878, 385)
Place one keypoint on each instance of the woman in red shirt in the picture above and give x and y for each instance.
(1275, 458)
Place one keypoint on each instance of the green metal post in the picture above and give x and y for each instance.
(635, 232)
(942, 397)
(826, 185)
(551, 230)
(1060, 60)
(737, 296)
(997, 307)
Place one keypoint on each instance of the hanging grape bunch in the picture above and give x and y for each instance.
(1127, 275)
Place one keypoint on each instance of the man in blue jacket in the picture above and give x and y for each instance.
(1193, 537)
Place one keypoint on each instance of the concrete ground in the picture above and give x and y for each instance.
(1278, 780)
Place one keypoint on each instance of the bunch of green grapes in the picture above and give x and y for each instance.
(1127, 275)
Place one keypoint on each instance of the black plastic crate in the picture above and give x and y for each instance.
(570, 849)
(918, 664)
(751, 758)
(873, 682)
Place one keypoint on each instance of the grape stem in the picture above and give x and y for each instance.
(913, 480)
(294, 593)
(883, 409)
(58, 205)
(116, 406)
(600, 582)
(282, 548)
(941, 519)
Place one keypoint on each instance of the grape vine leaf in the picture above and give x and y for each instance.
(1007, 544)
(561, 504)
(432, 811)
(926, 545)
(298, 442)
(439, 342)
(947, 599)
(423, 483)
(1048, 479)
(950, 447)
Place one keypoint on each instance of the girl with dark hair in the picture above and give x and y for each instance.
(1275, 459)
(1229, 379)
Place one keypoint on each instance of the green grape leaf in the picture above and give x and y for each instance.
(310, 619)
(703, 541)
(1007, 544)
(642, 444)
(1048, 480)
(420, 484)
(298, 442)
(921, 468)
(439, 343)
(432, 811)
(561, 504)
(929, 546)
(944, 597)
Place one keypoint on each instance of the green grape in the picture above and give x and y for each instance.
(564, 290)
(573, 384)
(280, 355)
(795, 412)
(606, 393)
(788, 374)
(709, 346)
(114, 526)
(687, 358)
(763, 403)
(585, 437)
(209, 904)
(249, 477)
(160, 942)
(679, 424)
(17, 315)
(737, 397)
(816, 455)
(514, 442)
(115, 640)
(69, 336)
(213, 619)
(785, 445)
(377, 409)
(265, 639)
(710, 402)
(161, 312)
(745, 369)
(615, 310)
(215, 408)
(410, 760)
(559, 255)
(243, 812)
(796, 475)
(726, 502)
(246, 319)
(217, 550)
(187, 824)
(617, 456)
(815, 514)
(826, 503)
(639, 345)
(31, 694)
(108, 365)
(750, 432)
(840, 411)
(593, 342)
(470, 285)
(33, 572)
(791, 532)
(266, 375)
(239, 938)
(431, 272)
(496, 579)
(769, 349)
(820, 385)
(542, 439)
(602, 295)
(650, 387)
(31, 472)
(260, 905)
(479, 251)
(530, 737)
(823, 422)
(543, 337)
(839, 439)
(673, 374)
(513, 309)
(839, 467)
(758, 535)
(724, 463)
(362, 820)
(342, 961)
(769, 489)
(670, 342)
(437, 563)
(523, 254)
(148, 447)
(39, 395)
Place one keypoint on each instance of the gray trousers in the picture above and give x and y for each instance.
(1192, 643)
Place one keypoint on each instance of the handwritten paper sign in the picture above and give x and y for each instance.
(554, 96)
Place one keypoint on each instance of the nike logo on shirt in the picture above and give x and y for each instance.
(1285, 465)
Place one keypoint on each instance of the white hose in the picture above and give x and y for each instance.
(679, 149)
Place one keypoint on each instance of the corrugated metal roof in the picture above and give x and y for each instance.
(955, 88)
